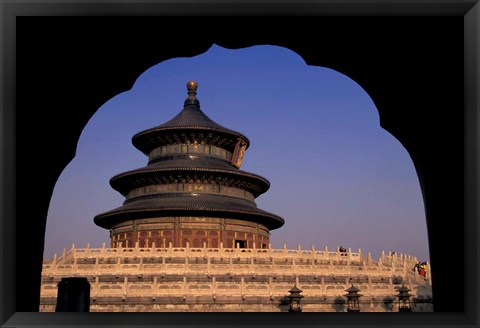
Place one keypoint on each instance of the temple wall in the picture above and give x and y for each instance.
(189, 231)
(228, 279)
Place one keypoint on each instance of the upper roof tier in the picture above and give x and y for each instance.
(189, 126)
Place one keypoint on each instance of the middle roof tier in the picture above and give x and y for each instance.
(190, 169)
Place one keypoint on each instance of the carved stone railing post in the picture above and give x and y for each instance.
(270, 286)
(209, 264)
(96, 286)
(393, 267)
(141, 266)
(64, 254)
(242, 286)
(155, 286)
(125, 286)
(214, 286)
(118, 266)
(185, 285)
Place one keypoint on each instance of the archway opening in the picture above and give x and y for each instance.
(336, 176)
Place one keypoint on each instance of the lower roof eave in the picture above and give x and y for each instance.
(108, 219)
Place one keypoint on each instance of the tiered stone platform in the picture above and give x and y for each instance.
(233, 279)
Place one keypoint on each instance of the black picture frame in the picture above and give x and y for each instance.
(11, 224)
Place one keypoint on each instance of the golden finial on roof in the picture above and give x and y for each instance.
(192, 86)
(192, 94)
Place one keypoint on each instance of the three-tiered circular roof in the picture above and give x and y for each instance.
(190, 126)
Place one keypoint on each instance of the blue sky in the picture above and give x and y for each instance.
(337, 178)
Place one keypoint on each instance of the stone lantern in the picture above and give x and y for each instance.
(353, 304)
(404, 299)
(294, 299)
(388, 302)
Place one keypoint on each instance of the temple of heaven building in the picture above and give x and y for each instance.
(192, 192)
